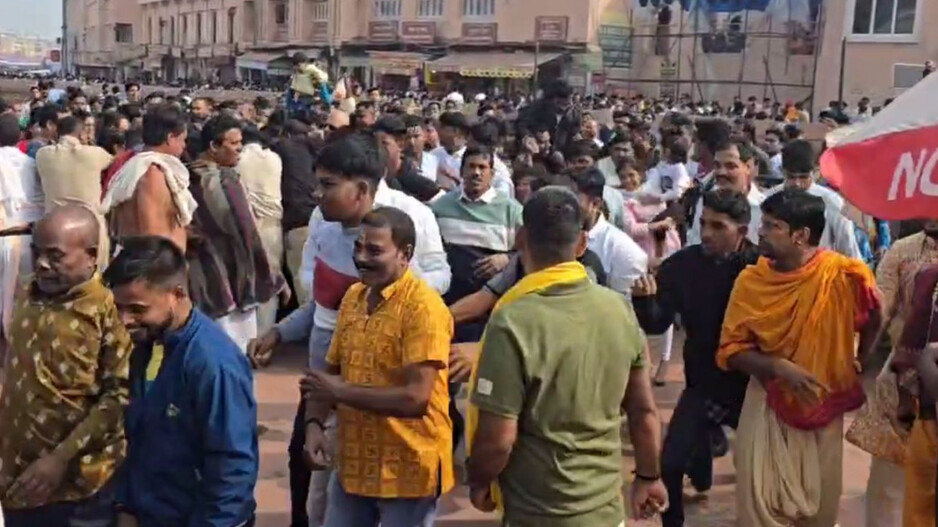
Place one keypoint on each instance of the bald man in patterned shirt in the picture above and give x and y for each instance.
(61, 410)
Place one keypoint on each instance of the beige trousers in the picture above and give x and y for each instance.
(294, 243)
(785, 477)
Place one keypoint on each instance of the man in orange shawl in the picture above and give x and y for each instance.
(791, 324)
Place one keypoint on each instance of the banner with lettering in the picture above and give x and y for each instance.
(888, 166)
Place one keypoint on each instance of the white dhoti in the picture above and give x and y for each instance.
(785, 477)
(271, 233)
(241, 326)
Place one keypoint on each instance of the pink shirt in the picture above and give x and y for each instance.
(636, 218)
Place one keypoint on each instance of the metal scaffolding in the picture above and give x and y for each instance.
(714, 55)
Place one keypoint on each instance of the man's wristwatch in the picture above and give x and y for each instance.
(649, 479)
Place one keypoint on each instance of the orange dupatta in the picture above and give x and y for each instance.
(808, 316)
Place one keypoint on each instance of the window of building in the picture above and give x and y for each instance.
(124, 33)
(198, 28)
(320, 10)
(214, 28)
(149, 31)
(387, 8)
(884, 17)
(183, 36)
(478, 7)
(172, 31)
(232, 11)
(280, 13)
(162, 30)
(430, 8)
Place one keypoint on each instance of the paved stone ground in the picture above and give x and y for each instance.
(277, 395)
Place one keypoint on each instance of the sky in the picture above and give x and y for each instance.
(41, 18)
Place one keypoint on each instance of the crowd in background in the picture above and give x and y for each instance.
(418, 248)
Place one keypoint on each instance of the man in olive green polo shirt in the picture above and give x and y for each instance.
(560, 360)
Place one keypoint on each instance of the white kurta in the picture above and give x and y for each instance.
(21, 202)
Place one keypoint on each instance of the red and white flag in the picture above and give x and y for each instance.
(888, 166)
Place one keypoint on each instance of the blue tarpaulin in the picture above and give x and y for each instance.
(715, 6)
(719, 6)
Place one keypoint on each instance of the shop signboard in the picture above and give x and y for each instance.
(383, 31)
(551, 28)
(418, 32)
(479, 34)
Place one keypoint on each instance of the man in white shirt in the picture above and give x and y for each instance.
(798, 167)
(21, 203)
(620, 151)
(733, 167)
(454, 134)
(772, 145)
(260, 170)
(427, 163)
(429, 260)
(623, 260)
(863, 112)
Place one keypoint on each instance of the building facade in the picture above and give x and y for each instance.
(781, 50)
(192, 40)
(884, 44)
(102, 38)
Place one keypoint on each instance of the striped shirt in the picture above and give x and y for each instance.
(474, 229)
(328, 269)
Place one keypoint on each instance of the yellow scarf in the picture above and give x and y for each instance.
(564, 273)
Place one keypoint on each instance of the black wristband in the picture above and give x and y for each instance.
(316, 421)
(640, 477)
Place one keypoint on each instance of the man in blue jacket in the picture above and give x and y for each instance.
(192, 455)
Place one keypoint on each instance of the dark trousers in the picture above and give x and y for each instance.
(687, 450)
(300, 474)
(459, 423)
(96, 511)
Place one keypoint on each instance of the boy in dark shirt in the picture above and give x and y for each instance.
(696, 283)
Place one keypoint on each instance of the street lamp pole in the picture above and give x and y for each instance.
(63, 49)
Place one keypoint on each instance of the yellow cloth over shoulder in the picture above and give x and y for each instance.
(564, 273)
(808, 316)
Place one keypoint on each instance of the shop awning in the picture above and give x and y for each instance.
(258, 60)
(519, 65)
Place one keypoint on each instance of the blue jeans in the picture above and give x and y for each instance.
(348, 510)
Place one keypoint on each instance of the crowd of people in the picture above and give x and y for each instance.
(155, 250)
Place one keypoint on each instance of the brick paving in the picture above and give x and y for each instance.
(277, 394)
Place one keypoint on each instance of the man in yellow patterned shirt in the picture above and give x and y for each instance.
(388, 380)
(61, 412)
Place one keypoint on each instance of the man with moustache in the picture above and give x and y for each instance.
(67, 384)
(387, 377)
(696, 283)
(792, 324)
(350, 170)
(734, 166)
(192, 454)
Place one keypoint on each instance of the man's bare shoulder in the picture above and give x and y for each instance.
(152, 181)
